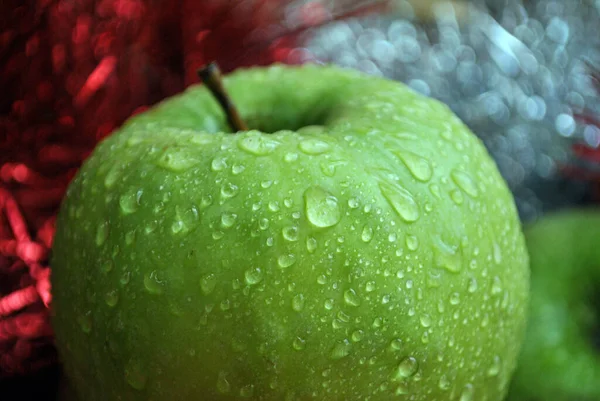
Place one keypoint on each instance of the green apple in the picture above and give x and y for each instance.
(357, 243)
(560, 360)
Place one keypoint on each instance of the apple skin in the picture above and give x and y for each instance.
(560, 360)
(374, 254)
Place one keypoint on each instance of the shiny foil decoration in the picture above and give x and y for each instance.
(517, 73)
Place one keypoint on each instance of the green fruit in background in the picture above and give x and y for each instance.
(560, 360)
(363, 246)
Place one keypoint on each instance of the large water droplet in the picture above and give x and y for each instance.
(311, 244)
(229, 190)
(367, 233)
(465, 182)
(102, 233)
(154, 283)
(351, 298)
(178, 159)
(322, 208)
(419, 167)
(425, 320)
(412, 242)
(208, 283)
(444, 383)
(446, 256)
(286, 260)
(341, 350)
(401, 201)
(258, 144)
(130, 203)
(406, 368)
(298, 302)
(135, 375)
(111, 298)
(290, 233)
(313, 146)
(253, 276)
(228, 219)
(218, 164)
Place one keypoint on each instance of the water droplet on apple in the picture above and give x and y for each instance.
(311, 244)
(457, 197)
(357, 335)
(229, 190)
(406, 368)
(286, 260)
(237, 169)
(395, 345)
(102, 233)
(353, 203)
(135, 375)
(412, 242)
(467, 394)
(206, 201)
(425, 320)
(465, 182)
(208, 283)
(130, 203)
(455, 298)
(290, 157)
(341, 350)
(419, 167)
(217, 235)
(247, 391)
(351, 298)
(111, 298)
(401, 201)
(125, 278)
(322, 279)
(85, 322)
(472, 285)
(447, 256)
(328, 304)
(496, 285)
(444, 383)
(112, 176)
(298, 302)
(218, 164)
(290, 233)
(322, 209)
(497, 253)
(151, 227)
(495, 367)
(402, 389)
(299, 344)
(313, 146)
(178, 159)
(258, 144)
(154, 283)
(223, 385)
(253, 276)
(130, 237)
(367, 233)
(228, 219)
(107, 266)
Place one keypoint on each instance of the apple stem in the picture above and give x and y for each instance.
(212, 78)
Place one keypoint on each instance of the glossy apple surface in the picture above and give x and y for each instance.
(358, 244)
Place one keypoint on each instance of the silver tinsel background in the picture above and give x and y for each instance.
(516, 72)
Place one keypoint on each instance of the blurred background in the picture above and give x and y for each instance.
(522, 74)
